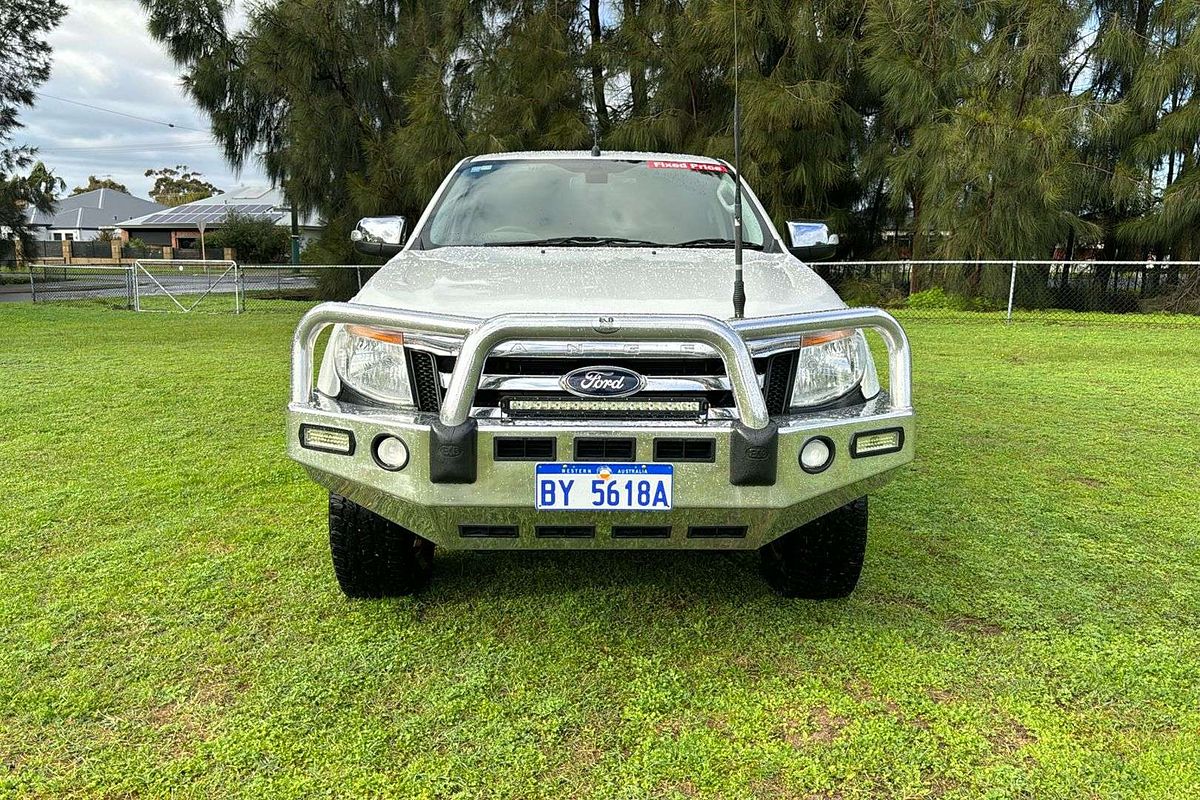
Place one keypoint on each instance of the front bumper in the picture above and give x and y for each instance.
(491, 504)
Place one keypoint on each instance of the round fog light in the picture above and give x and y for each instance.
(816, 455)
(390, 453)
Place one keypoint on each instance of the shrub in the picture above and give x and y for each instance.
(858, 292)
(256, 240)
(937, 298)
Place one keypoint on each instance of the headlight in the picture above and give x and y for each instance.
(831, 365)
(371, 362)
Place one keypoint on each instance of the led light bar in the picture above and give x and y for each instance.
(877, 443)
(582, 408)
(327, 440)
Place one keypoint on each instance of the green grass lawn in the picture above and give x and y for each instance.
(1028, 623)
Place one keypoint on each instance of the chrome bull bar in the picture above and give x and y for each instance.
(481, 336)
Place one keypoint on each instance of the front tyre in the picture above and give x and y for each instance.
(373, 556)
(822, 559)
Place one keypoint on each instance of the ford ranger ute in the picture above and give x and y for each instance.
(550, 359)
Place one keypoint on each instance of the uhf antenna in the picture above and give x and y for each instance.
(596, 136)
(739, 286)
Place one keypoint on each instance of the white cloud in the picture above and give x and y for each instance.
(104, 56)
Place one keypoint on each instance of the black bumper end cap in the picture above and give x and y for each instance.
(753, 455)
(453, 452)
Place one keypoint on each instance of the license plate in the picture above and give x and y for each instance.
(603, 487)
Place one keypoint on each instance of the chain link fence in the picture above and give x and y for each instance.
(1048, 290)
(274, 287)
(183, 285)
(1100, 292)
(105, 286)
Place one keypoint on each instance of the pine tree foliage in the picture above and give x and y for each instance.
(997, 129)
(24, 65)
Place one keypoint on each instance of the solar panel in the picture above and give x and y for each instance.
(191, 214)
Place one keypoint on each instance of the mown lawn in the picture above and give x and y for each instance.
(1028, 624)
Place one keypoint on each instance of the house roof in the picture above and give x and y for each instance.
(263, 202)
(99, 208)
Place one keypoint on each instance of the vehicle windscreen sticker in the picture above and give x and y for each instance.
(692, 165)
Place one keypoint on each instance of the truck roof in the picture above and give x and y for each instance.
(611, 155)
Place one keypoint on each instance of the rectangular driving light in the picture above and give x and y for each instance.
(327, 440)
(877, 443)
(582, 408)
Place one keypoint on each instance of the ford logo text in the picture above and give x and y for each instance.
(602, 382)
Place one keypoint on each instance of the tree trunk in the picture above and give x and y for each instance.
(637, 73)
(918, 243)
(597, 67)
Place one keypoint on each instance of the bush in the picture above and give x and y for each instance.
(857, 292)
(937, 298)
(257, 241)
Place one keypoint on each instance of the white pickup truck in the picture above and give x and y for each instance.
(551, 360)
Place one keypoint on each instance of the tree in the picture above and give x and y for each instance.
(1000, 129)
(174, 186)
(257, 240)
(1162, 94)
(23, 26)
(94, 183)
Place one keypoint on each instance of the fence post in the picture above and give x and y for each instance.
(130, 280)
(32, 286)
(237, 289)
(1012, 287)
(137, 285)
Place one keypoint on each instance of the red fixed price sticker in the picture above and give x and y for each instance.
(692, 165)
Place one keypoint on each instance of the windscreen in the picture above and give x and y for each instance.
(585, 201)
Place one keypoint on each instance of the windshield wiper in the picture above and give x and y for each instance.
(570, 241)
(714, 242)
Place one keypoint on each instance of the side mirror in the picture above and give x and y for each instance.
(378, 236)
(812, 241)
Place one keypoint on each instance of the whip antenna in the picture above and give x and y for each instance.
(739, 286)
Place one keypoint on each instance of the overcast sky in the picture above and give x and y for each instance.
(103, 56)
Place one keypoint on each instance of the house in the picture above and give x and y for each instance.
(179, 227)
(83, 216)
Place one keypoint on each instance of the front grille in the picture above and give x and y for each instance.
(777, 386)
(641, 532)
(717, 532)
(565, 531)
(685, 449)
(524, 448)
(556, 365)
(426, 385)
(511, 378)
(488, 531)
(589, 449)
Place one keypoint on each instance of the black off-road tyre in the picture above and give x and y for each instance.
(822, 559)
(373, 556)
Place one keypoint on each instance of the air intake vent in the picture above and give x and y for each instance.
(685, 449)
(487, 531)
(605, 449)
(717, 532)
(524, 448)
(565, 531)
(641, 532)
(426, 386)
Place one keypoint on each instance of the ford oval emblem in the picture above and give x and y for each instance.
(602, 382)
